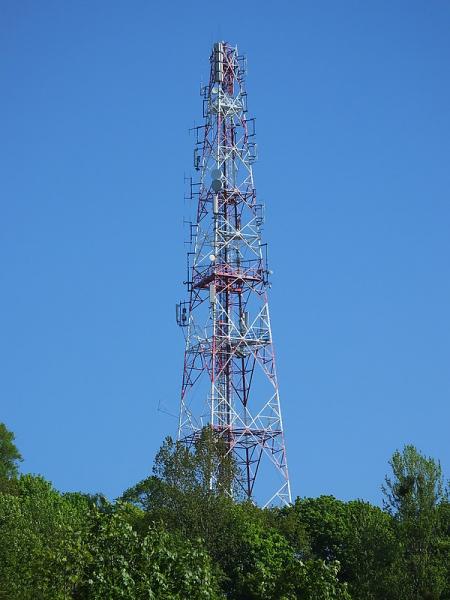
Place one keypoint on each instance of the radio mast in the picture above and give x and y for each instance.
(229, 376)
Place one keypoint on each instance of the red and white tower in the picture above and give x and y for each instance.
(229, 377)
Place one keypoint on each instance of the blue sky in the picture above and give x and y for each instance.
(353, 125)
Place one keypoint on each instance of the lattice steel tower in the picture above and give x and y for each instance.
(229, 378)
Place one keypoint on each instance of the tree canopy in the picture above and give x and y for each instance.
(179, 534)
(9, 457)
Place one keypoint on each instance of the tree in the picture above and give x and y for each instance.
(252, 559)
(318, 580)
(369, 551)
(357, 536)
(9, 458)
(323, 521)
(207, 465)
(417, 485)
(77, 546)
(189, 488)
(412, 496)
(264, 566)
(444, 544)
(155, 565)
(268, 568)
(42, 549)
(287, 522)
(178, 496)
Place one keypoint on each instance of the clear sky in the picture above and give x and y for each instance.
(352, 101)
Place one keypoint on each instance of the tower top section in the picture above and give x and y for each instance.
(227, 68)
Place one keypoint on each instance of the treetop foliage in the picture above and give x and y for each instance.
(9, 456)
(179, 534)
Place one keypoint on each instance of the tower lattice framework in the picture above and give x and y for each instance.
(229, 376)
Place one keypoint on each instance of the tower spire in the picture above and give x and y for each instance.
(229, 376)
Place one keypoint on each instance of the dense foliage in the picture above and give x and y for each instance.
(172, 537)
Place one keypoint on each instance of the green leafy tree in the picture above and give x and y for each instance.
(268, 568)
(157, 565)
(207, 465)
(252, 559)
(42, 548)
(9, 459)
(323, 520)
(193, 514)
(416, 485)
(412, 496)
(356, 535)
(179, 534)
(444, 544)
(318, 580)
(264, 566)
(57, 547)
(287, 522)
(179, 493)
(369, 551)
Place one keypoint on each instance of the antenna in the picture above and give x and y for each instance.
(229, 375)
